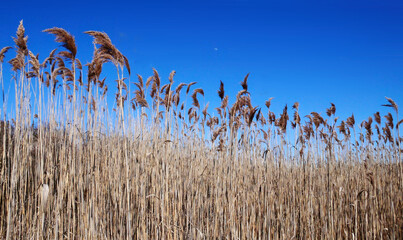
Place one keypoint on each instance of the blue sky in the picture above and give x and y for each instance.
(313, 52)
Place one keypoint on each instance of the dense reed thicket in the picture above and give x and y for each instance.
(158, 165)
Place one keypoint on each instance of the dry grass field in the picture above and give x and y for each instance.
(158, 165)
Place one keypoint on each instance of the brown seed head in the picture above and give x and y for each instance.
(67, 40)
(391, 104)
(2, 52)
(221, 91)
(21, 40)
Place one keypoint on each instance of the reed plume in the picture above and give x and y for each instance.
(67, 40)
(391, 104)
(3, 51)
(220, 91)
(21, 40)
(107, 51)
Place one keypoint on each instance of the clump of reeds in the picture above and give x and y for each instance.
(163, 167)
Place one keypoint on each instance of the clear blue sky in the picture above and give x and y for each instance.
(346, 52)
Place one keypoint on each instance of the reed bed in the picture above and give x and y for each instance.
(159, 165)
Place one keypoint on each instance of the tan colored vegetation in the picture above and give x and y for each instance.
(161, 167)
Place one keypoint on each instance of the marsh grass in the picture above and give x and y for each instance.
(160, 167)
